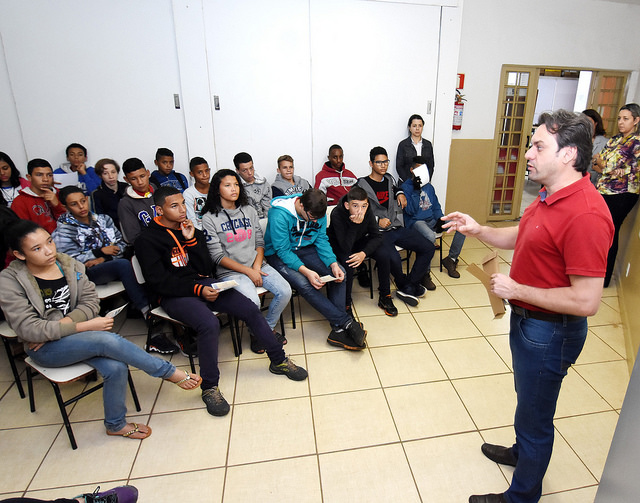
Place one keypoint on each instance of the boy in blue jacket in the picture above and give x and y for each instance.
(423, 213)
(297, 246)
(165, 175)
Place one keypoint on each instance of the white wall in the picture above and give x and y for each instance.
(99, 73)
(569, 33)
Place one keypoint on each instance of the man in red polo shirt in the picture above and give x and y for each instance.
(556, 279)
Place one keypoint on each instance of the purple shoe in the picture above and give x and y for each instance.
(121, 494)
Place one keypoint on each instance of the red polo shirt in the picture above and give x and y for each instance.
(567, 233)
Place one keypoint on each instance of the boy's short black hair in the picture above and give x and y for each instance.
(68, 190)
(161, 194)
(132, 164)
(375, 151)
(197, 161)
(37, 163)
(75, 145)
(335, 146)
(163, 152)
(357, 193)
(241, 158)
(314, 201)
(419, 160)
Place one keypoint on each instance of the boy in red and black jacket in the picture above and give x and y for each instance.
(176, 265)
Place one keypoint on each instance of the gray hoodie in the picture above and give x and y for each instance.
(24, 308)
(259, 194)
(235, 234)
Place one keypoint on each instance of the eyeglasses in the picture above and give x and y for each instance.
(310, 217)
(381, 163)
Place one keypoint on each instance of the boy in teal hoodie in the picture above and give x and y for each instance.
(297, 246)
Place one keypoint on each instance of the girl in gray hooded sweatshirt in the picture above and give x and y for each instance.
(236, 244)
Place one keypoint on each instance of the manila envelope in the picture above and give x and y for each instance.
(489, 267)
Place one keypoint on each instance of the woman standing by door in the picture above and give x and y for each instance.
(620, 181)
(414, 145)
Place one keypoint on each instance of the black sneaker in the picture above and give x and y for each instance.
(420, 291)
(161, 344)
(385, 303)
(188, 348)
(407, 298)
(363, 276)
(216, 404)
(121, 494)
(342, 340)
(428, 283)
(289, 369)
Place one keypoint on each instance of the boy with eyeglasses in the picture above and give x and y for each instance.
(297, 246)
(387, 202)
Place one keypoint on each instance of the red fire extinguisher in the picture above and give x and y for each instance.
(458, 109)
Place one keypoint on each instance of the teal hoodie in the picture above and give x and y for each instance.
(286, 233)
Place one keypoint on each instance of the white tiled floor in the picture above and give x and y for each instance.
(401, 421)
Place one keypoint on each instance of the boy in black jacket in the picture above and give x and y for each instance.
(176, 264)
(354, 236)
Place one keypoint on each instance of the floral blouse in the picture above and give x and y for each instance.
(620, 154)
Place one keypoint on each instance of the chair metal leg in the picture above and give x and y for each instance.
(293, 313)
(32, 400)
(234, 337)
(134, 394)
(370, 273)
(440, 253)
(63, 413)
(282, 326)
(14, 369)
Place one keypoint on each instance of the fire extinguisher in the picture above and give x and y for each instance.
(458, 109)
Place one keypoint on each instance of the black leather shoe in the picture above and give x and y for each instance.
(487, 498)
(499, 454)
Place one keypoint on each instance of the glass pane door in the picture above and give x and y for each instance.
(607, 96)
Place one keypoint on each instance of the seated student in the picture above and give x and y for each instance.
(256, 186)
(354, 236)
(88, 180)
(286, 183)
(177, 266)
(387, 202)
(53, 307)
(335, 179)
(108, 194)
(297, 246)
(10, 180)
(39, 203)
(423, 213)
(136, 208)
(236, 245)
(195, 196)
(94, 240)
(165, 174)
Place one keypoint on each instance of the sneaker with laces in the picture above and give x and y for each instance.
(356, 331)
(386, 304)
(407, 298)
(216, 404)
(450, 265)
(289, 369)
(341, 339)
(121, 494)
(161, 344)
(420, 291)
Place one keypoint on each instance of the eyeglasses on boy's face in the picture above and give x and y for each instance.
(310, 217)
(381, 163)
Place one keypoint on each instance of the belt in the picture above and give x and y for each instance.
(542, 316)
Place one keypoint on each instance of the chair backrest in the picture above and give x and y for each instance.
(109, 289)
(263, 224)
(137, 270)
(7, 331)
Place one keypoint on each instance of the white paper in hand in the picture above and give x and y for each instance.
(224, 285)
(115, 312)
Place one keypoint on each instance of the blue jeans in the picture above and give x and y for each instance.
(120, 269)
(332, 307)
(110, 355)
(389, 262)
(427, 229)
(542, 353)
(275, 283)
(197, 313)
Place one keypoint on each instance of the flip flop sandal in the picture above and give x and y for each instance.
(133, 431)
(198, 381)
